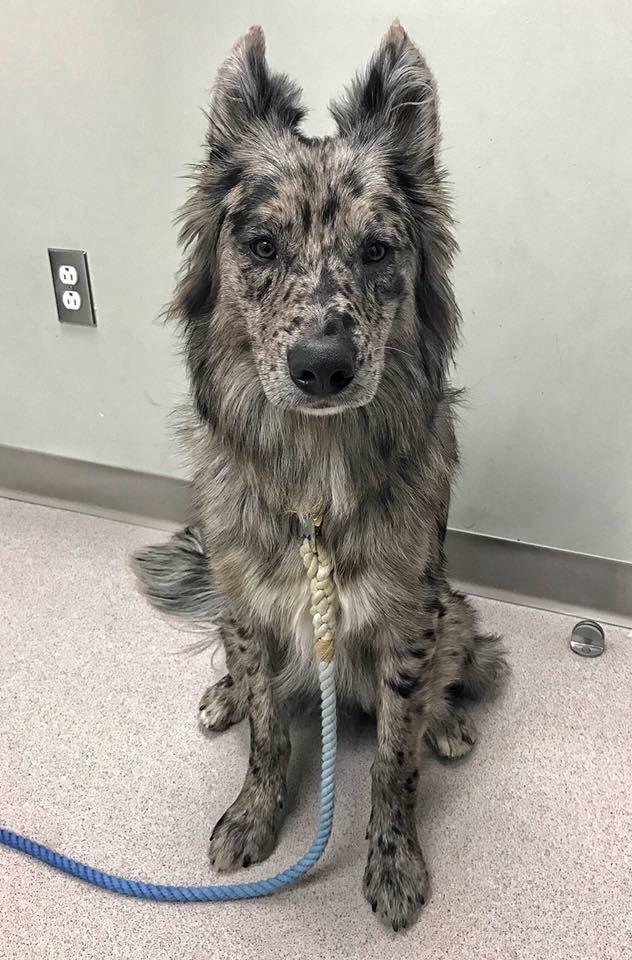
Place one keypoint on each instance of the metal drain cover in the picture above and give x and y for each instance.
(588, 639)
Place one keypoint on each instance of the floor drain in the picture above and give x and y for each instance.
(587, 639)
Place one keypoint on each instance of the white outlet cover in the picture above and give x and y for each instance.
(71, 300)
(68, 274)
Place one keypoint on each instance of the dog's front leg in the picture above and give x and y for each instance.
(396, 880)
(247, 832)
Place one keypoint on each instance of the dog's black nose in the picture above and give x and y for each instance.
(322, 366)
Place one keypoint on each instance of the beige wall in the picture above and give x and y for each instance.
(99, 116)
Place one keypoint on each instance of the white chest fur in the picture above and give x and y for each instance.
(354, 627)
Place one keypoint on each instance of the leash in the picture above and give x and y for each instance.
(319, 571)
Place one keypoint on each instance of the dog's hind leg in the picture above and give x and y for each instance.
(483, 668)
(223, 704)
(482, 672)
(226, 702)
(453, 735)
(176, 579)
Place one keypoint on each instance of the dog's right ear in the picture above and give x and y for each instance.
(247, 94)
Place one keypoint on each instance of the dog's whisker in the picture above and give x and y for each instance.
(405, 353)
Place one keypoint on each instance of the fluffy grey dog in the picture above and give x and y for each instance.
(319, 322)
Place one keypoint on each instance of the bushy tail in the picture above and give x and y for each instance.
(175, 578)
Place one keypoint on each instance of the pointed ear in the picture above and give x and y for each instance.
(395, 96)
(246, 95)
(394, 102)
(246, 92)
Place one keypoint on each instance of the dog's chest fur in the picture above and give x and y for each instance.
(250, 522)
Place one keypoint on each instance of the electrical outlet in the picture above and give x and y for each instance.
(71, 283)
(71, 300)
(68, 274)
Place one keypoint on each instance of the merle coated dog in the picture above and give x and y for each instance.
(319, 324)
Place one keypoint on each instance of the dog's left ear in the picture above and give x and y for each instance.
(394, 103)
(396, 97)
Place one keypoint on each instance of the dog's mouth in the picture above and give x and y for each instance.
(328, 410)
(354, 395)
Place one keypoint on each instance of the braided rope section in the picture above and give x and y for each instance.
(323, 607)
(319, 569)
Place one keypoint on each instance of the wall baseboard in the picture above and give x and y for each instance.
(579, 584)
(95, 488)
(573, 583)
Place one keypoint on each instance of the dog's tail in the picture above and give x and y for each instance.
(175, 578)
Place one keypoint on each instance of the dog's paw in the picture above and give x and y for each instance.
(396, 880)
(454, 737)
(222, 705)
(248, 831)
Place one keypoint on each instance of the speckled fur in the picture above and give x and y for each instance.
(377, 460)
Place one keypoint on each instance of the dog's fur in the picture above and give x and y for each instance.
(377, 460)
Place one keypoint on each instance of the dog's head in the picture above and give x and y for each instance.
(311, 262)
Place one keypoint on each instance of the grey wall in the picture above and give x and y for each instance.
(99, 116)
(95, 134)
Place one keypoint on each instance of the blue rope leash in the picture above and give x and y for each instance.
(231, 891)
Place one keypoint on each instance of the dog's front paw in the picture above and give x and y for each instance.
(222, 705)
(248, 831)
(395, 879)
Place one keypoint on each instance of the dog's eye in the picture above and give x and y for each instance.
(263, 248)
(374, 252)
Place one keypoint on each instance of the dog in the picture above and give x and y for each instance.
(319, 323)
